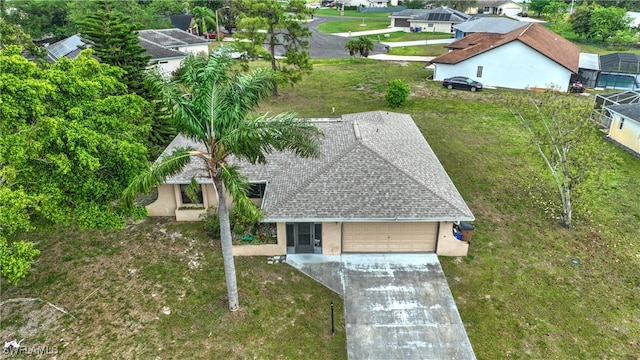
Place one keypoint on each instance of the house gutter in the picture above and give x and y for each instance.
(346, 220)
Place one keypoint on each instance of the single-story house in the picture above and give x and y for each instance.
(624, 128)
(371, 3)
(441, 19)
(69, 48)
(492, 25)
(167, 60)
(176, 39)
(377, 187)
(497, 7)
(527, 57)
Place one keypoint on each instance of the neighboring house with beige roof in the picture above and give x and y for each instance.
(377, 187)
(527, 57)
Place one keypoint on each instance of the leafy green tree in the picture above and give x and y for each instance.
(210, 4)
(580, 20)
(116, 43)
(14, 35)
(138, 17)
(213, 104)
(415, 4)
(41, 18)
(572, 149)
(538, 6)
(16, 259)
(606, 21)
(460, 5)
(69, 145)
(398, 92)
(555, 11)
(624, 39)
(164, 8)
(284, 28)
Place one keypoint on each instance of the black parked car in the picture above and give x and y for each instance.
(461, 82)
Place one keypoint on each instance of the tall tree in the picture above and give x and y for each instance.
(69, 140)
(538, 6)
(41, 18)
(138, 16)
(572, 149)
(205, 18)
(284, 29)
(606, 21)
(116, 43)
(14, 35)
(213, 105)
(580, 20)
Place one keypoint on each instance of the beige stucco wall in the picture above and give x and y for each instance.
(165, 204)
(448, 245)
(628, 136)
(331, 238)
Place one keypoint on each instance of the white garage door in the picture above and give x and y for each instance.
(389, 237)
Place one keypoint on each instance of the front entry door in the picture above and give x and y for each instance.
(304, 240)
(300, 237)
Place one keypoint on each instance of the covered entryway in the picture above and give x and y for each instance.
(304, 238)
(389, 237)
(397, 306)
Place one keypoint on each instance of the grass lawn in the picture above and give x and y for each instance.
(157, 290)
(353, 25)
(408, 36)
(419, 50)
(352, 13)
(519, 292)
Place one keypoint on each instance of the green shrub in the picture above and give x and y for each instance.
(16, 259)
(397, 93)
(211, 223)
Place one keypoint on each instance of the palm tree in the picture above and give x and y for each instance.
(213, 104)
(365, 45)
(205, 18)
(352, 46)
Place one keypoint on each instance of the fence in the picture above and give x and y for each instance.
(380, 9)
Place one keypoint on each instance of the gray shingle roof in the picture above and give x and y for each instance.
(375, 166)
(158, 52)
(630, 111)
(171, 38)
(495, 25)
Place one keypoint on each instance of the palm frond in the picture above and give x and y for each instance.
(156, 174)
(254, 138)
(237, 185)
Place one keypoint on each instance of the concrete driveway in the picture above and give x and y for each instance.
(397, 306)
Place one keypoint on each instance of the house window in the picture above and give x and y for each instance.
(479, 72)
(621, 124)
(486, 9)
(256, 191)
(188, 201)
(163, 62)
(430, 25)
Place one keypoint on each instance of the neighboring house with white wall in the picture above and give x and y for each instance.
(376, 187)
(625, 126)
(167, 60)
(497, 7)
(441, 19)
(528, 57)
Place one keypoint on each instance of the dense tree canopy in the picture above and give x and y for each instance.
(70, 141)
(41, 18)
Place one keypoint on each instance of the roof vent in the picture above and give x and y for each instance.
(356, 131)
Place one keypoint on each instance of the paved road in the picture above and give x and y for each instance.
(327, 46)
